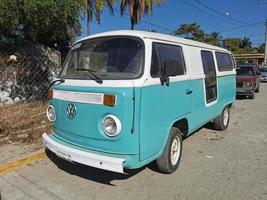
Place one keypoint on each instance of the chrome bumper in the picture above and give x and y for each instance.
(83, 157)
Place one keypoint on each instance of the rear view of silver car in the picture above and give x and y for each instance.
(263, 74)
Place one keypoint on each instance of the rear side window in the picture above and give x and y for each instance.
(224, 61)
(162, 53)
(210, 76)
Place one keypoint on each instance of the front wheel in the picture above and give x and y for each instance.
(169, 161)
(222, 121)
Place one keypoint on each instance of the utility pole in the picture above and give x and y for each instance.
(265, 54)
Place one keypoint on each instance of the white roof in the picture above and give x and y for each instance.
(155, 36)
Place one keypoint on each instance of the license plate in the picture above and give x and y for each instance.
(64, 155)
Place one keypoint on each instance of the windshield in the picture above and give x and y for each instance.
(263, 69)
(245, 71)
(107, 58)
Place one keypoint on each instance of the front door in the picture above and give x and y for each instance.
(162, 104)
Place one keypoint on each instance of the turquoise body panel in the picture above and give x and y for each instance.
(161, 106)
(85, 129)
(157, 108)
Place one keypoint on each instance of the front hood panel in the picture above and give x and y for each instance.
(85, 128)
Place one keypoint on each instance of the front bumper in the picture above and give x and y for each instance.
(264, 78)
(87, 158)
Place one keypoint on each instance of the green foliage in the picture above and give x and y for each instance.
(137, 8)
(214, 38)
(245, 43)
(94, 8)
(261, 48)
(48, 22)
(191, 31)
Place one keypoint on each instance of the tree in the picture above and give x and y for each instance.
(52, 23)
(94, 8)
(191, 31)
(232, 44)
(137, 8)
(214, 38)
(261, 48)
(245, 43)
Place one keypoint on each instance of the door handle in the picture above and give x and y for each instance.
(188, 91)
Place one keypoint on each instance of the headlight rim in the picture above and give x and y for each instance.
(117, 122)
(47, 115)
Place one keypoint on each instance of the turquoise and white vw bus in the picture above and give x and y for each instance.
(127, 98)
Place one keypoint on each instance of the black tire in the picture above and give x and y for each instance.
(220, 122)
(252, 96)
(258, 89)
(164, 162)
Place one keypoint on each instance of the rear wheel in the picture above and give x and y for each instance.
(258, 89)
(222, 121)
(169, 161)
(252, 96)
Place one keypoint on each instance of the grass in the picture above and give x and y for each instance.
(23, 122)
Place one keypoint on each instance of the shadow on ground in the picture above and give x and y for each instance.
(90, 173)
(103, 176)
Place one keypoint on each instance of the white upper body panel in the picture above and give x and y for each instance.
(191, 52)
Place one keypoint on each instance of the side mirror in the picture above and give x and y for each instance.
(170, 68)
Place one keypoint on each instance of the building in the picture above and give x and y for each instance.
(257, 58)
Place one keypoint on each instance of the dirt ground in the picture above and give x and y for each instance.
(215, 165)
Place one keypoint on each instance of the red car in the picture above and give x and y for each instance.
(247, 80)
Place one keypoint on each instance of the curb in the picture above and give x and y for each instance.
(11, 166)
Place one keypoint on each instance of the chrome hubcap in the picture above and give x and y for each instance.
(175, 150)
(225, 117)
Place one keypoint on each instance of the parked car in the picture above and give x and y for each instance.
(247, 80)
(127, 98)
(263, 74)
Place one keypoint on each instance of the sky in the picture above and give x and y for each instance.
(231, 18)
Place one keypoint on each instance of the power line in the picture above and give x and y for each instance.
(218, 12)
(172, 30)
(240, 27)
(253, 35)
(207, 13)
(147, 22)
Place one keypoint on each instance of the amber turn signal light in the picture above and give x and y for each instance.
(50, 94)
(109, 100)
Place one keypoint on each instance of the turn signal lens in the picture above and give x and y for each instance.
(50, 94)
(109, 100)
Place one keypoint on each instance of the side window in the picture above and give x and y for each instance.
(224, 61)
(210, 76)
(165, 53)
(155, 67)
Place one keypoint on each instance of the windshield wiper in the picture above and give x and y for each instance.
(95, 77)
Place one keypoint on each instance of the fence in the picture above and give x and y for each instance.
(23, 85)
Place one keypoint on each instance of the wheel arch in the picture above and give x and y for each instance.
(182, 125)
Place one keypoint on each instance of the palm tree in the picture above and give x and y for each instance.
(94, 8)
(245, 43)
(137, 8)
(214, 38)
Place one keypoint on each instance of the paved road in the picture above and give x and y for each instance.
(215, 165)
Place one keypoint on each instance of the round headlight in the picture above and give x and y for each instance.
(111, 125)
(51, 113)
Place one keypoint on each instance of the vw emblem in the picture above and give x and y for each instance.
(71, 111)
